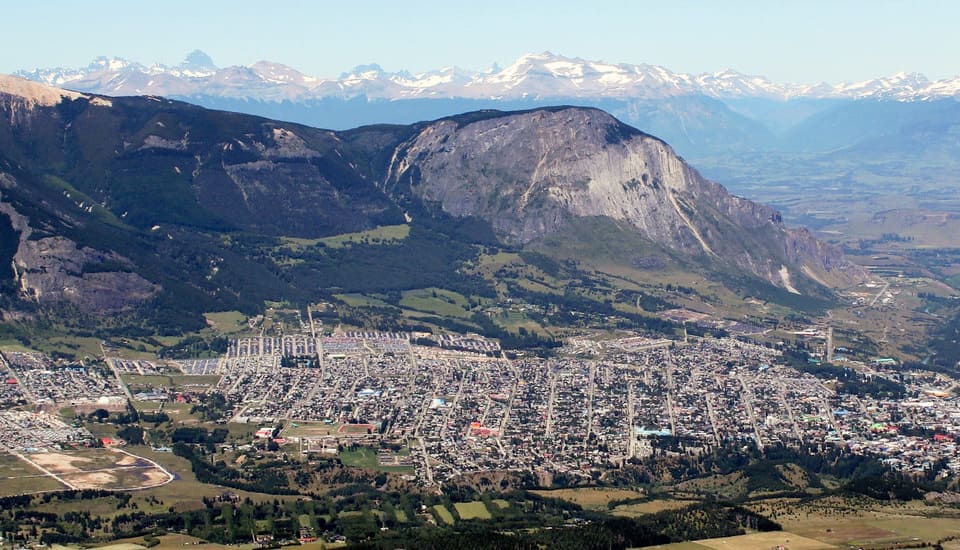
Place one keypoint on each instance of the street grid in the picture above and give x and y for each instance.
(596, 406)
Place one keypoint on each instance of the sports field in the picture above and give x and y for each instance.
(356, 429)
(310, 429)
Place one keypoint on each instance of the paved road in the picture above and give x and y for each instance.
(786, 405)
(591, 388)
(713, 419)
(553, 398)
(748, 402)
(631, 436)
(116, 373)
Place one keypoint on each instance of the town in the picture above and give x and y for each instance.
(596, 405)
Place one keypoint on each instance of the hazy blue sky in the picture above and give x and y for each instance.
(799, 41)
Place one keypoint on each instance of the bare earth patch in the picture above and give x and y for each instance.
(111, 469)
(93, 480)
(155, 477)
(60, 463)
(127, 460)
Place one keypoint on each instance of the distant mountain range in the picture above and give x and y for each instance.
(707, 115)
(532, 76)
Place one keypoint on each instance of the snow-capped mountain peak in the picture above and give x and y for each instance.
(902, 85)
(370, 71)
(534, 75)
(110, 64)
(281, 74)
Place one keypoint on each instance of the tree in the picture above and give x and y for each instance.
(131, 434)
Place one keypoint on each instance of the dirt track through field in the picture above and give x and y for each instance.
(82, 472)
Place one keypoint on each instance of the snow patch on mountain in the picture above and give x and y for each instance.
(544, 75)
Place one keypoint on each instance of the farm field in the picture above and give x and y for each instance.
(598, 498)
(829, 522)
(651, 507)
(765, 541)
(866, 522)
(436, 300)
(227, 322)
(472, 510)
(679, 546)
(444, 514)
(876, 529)
(167, 542)
(591, 497)
(753, 541)
(384, 234)
(380, 235)
(361, 300)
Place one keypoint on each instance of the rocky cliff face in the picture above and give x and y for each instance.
(54, 269)
(530, 173)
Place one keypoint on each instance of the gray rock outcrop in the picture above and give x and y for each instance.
(530, 173)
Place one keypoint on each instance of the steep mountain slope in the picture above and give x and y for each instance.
(117, 202)
(151, 161)
(530, 173)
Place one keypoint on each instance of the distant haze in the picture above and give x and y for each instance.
(804, 42)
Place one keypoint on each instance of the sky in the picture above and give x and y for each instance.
(805, 41)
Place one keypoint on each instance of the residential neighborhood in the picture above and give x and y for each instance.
(596, 405)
